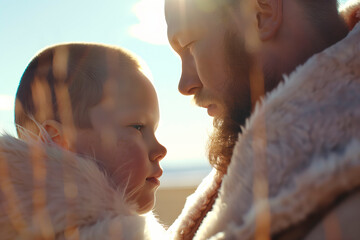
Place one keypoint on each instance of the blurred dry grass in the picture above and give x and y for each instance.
(170, 201)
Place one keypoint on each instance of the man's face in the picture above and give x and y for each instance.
(211, 70)
(198, 38)
(122, 137)
(215, 69)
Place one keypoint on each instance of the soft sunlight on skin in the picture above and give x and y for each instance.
(152, 26)
(6, 103)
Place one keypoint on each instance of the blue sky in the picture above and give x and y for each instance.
(27, 27)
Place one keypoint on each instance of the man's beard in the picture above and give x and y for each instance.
(237, 104)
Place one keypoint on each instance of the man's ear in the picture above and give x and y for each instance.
(269, 17)
(55, 132)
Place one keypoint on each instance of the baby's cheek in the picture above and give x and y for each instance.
(133, 148)
(133, 156)
(138, 163)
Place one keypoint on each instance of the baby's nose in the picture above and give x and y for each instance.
(158, 153)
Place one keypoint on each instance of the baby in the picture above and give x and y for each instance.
(97, 102)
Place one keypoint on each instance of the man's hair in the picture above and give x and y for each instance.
(321, 14)
(63, 82)
(316, 7)
(309, 4)
(318, 12)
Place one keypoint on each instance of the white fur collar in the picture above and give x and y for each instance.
(76, 201)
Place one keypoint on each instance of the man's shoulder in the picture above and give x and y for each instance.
(340, 223)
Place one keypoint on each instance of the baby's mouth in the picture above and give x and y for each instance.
(153, 180)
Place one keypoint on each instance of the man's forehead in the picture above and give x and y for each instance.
(188, 14)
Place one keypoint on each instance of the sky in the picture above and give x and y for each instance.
(27, 27)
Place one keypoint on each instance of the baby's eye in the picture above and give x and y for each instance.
(138, 127)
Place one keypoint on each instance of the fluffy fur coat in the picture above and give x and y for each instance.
(298, 153)
(49, 193)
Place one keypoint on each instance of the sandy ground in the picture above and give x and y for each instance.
(170, 202)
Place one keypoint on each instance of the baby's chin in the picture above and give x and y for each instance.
(142, 209)
(146, 204)
(143, 198)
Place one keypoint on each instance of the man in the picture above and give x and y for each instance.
(292, 173)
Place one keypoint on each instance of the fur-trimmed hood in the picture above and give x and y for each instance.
(299, 151)
(50, 193)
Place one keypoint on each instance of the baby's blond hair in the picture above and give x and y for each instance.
(63, 82)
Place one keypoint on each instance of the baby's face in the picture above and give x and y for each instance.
(123, 137)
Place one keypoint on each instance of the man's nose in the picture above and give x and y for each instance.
(189, 82)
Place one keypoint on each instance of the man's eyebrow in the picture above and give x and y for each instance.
(175, 44)
(183, 34)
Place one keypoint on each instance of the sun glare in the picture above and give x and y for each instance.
(152, 26)
(6, 103)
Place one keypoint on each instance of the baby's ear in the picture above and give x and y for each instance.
(54, 131)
